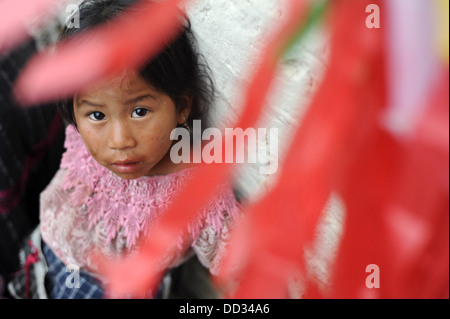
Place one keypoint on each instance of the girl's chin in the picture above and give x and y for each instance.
(128, 175)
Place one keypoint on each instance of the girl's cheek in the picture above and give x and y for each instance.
(91, 140)
(94, 147)
(93, 152)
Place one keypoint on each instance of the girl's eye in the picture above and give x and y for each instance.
(139, 112)
(97, 116)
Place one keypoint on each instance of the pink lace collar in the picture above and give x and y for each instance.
(131, 205)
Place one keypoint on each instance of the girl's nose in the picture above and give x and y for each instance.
(121, 137)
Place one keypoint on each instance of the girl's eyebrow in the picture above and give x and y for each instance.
(87, 103)
(140, 98)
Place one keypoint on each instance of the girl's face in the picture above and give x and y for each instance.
(126, 125)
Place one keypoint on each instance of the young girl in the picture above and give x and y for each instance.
(116, 177)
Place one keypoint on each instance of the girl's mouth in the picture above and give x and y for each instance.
(126, 167)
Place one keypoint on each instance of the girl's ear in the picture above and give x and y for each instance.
(184, 108)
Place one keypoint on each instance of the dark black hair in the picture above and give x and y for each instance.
(177, 70)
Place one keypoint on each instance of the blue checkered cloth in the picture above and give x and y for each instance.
(59, 282)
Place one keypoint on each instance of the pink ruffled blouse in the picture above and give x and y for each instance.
(87, 207)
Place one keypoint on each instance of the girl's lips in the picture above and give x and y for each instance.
(126, 167)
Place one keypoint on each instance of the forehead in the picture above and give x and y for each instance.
(126, 84)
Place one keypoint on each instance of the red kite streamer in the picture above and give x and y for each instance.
(394, 187)
(97, 54)
(293, 209)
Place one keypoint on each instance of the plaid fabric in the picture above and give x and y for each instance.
(31, 145)
(60, 283)
(44, 276)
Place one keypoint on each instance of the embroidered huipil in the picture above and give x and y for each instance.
(87, 207)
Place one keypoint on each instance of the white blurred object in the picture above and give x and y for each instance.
(412, 64)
